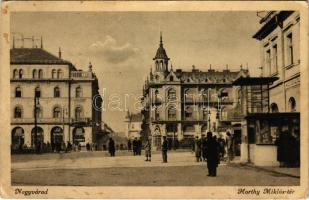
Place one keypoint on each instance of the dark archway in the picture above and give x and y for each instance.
(18, 138)
(78, 135)
(40, 136)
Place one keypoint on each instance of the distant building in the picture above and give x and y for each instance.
(60, 98)
(184, 104)
(133, 123)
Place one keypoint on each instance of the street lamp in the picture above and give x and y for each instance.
(64, 112)
(36, 103)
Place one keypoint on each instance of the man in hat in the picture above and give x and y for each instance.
(164, 149)
(212, 148)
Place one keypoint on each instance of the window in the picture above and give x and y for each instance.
(205, 114)
(223, 114)
(21, 72)
(290, 49)
(53, 73)
(40, 73)
(268, 62)
(274, 108)
(188, 113)
(18, 92)
(275, 59)
(15, 73)
(34, 74)
(78, 92)
(59, 73)
(157, 114)
(17, 112)
(37, 92)
(292, 104)
(38, 112)
(171, 78)
(78, 112)
(171, 94)
(172, 113)
(56, 92)
(189, 95)
(57, 112)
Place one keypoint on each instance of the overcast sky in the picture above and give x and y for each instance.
(121, 45)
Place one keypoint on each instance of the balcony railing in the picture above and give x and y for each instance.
(81, 75)
(51, 120)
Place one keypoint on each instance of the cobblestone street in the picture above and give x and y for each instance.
(97, 169)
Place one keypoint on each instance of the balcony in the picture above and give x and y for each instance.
(40, 120)
(81, 75)
(81, 120)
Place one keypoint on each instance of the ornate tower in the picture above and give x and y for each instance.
(161, 59)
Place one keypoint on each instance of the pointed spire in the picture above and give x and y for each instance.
(41, 42)
(161, 41)
(59, 53)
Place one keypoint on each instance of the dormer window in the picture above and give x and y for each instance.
(171, 78)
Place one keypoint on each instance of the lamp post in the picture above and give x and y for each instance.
(36, 103)
(64, 112)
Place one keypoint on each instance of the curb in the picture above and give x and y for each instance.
(266, 170)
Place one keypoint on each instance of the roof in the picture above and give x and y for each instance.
(271, 24)
(34, 56)
(254, 80)
(161, 53)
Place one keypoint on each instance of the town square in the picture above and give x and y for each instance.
(155, 99)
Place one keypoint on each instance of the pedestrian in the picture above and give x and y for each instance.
(203, 147)
(148, 150)
(221, 142)
(282, 143)
(229, 146)
(164, 149)
(212, 147)
(135, 144)
(197, 149)
(139, 146)
(111, 147)
(129, 145)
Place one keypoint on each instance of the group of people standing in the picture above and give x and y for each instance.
(136, 146)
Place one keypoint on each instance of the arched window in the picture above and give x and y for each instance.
(54, 73)
(274, 108)
(17, 92)
(37, 92)
(21, 72)
(15, 73)
(38, 112)
(171, 94)
(40, 73)
(18, 112)
(56, 92)
(188, 112)
(172, 113)
(59, 73)
(78, 112)
(292, 104)
(57, 112)
(78, 92)
(34, 74)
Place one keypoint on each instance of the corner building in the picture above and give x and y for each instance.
(184, 104)
(62, 95)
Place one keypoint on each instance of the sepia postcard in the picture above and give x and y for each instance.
(154, 99)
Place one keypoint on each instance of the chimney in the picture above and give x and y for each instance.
(59, 52)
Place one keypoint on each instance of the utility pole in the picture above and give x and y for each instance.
(36, 144)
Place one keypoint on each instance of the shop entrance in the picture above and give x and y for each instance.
(56, 135)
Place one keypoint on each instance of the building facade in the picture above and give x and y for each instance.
(280, 57)
(133, 125)
(184, 104)
(52, 101)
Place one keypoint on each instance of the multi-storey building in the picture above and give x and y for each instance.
(133, 125)
(184, 104)
(279, 41)
(52, 101)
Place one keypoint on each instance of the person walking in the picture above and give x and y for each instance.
(164, 149)
(221, 142)
(129, 145)
(197, 149)
(229, 146)
(212, 147)
(148, 150)
(139, 147)
(111, 147)
(203, 147)
(135, 144)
